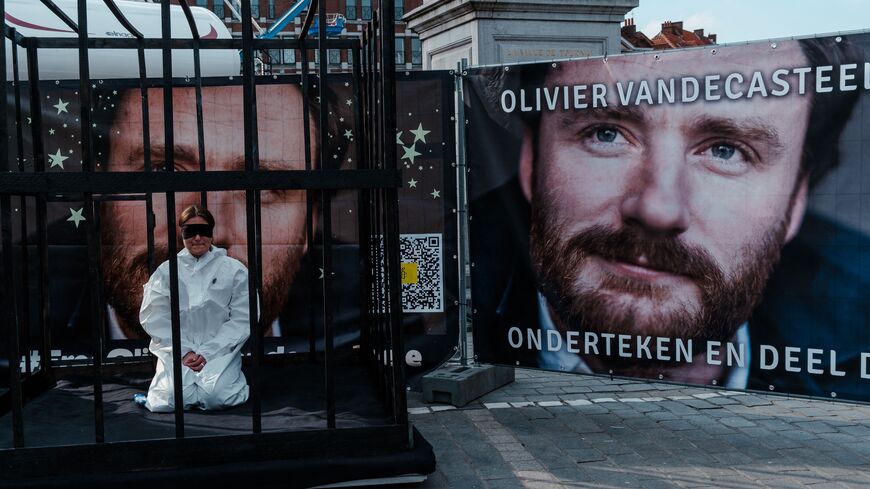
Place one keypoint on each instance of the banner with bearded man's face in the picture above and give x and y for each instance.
(671, 218)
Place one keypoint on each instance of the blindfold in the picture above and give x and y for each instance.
(190, 230)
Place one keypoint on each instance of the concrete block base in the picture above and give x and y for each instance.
(458, 385)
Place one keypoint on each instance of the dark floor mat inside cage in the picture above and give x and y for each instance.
(293, 398)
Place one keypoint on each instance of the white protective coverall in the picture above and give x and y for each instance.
(213, 305)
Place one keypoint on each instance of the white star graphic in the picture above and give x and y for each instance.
(420, 133)
(348, 134)
(412, 183)
(435, 194)
(61, 106)
(51, 131)
(399, 138)
(321, 273)
(349, 102)
(76, 216)
(57, 159)
(410, 152)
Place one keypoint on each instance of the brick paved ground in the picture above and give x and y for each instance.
(550, 430)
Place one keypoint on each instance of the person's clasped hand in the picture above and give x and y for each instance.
(193, 361)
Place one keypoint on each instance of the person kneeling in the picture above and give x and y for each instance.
(213, 306)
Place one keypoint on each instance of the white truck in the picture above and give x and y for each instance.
(31, 18)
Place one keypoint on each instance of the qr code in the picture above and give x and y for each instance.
(422, 275)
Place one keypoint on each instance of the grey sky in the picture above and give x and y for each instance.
(748, 20)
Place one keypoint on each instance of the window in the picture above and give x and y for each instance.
(334, 56)
(350, 57)
(218, 8)
(416, 51)
(367, 9)
(400, 51)
(289, 56)
(202, 3)
(271, 9)
(400, 11)
(274, 56)
(350, 9)
(255, 8)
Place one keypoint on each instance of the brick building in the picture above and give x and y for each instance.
(357, 14)
(671, 36)
(633, 39)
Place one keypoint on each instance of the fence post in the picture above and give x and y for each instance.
(466, 348)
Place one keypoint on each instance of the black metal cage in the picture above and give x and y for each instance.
(330, 452)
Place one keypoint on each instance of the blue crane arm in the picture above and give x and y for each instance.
(333, 28)
(285, 19)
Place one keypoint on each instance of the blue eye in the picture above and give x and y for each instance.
(723, 151)
(606, 134)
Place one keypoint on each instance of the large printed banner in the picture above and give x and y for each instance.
(291, 302)
(697, 216)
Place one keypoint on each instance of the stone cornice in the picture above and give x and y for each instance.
(432, 15)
